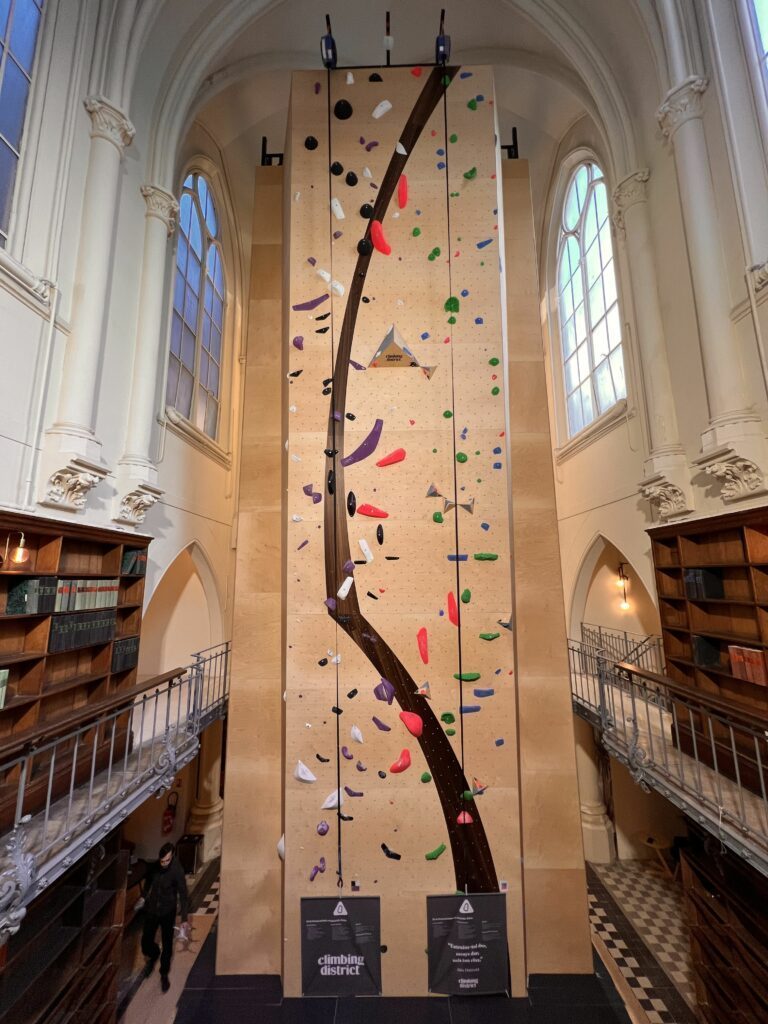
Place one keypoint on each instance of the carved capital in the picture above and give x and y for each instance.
(161, 204)
(668, 498)
(16, 881)
(740, 478)
(107, 122)
(68, 487)
(759, 275)
(683, 103)
(134, 505)
(630, 190)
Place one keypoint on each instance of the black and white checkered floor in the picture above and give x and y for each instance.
(637, 912)
(210, 902)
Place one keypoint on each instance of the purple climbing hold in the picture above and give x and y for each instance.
(346, 754)
(385, 691)
(330, 603)
(310, 304)
(356, 366)
(298, 342)
(349, 566)
(380, 725)
(351, 792)
(366, 447)
(323, 828)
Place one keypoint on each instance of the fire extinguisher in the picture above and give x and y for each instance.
(169, 814)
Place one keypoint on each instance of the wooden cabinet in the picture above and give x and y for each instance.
(61, 966)
(70, 625)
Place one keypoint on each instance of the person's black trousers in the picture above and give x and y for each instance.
(148, 945)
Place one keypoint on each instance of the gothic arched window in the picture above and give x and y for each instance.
(590, 326)
(194, 363)
(760, 23)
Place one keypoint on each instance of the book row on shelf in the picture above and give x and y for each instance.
(72, 631)
(40, 595)
(134, 562)
(125, 654)
(748, 663)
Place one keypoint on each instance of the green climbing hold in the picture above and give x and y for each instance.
(448, 717)
(451, 304)
(466, 596)
(416, 232)
(447, 79)
(455, 195)
(447, 414)
(437, 517)
(434, 854)
(453, 138)
(451, 319)
(472, 104)
(426, 777)
(493, 362)
(450, 732)
(467, 795)
(434, 254)
(495, 391)
(466, 677)
(485, 556)
(490, 636)
(461, 457)
(471, 173)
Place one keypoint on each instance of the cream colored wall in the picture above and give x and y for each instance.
(638, 814)
(177, 621)
(604, 598)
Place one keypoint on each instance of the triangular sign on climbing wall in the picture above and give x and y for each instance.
(394, 353)
(466, 908)
(340, 911)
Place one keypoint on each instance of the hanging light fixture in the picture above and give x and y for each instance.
(18, 555)
(621, 581)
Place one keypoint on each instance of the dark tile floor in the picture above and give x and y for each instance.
(553, 999)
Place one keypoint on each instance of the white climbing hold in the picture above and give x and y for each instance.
(395, 214)
(336, 209)
(302, 774)
(389, 42)
(350, 78)
(357, 736)
(345, 587)
(367, 172)
(324, 274)
(333, 800)
(297, 518)
(337, 288)
(400, 148)
(381, 109)
(281, 847)
(295, 458)
(291, 408)
(296, 196)
(336, 659)
(365, 548)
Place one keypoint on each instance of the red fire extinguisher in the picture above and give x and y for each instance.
(169, 814)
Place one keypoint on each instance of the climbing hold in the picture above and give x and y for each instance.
(380, 534)
(384, 691)
(390, 853)
(345, 588)
(437, 517)
(337, 209)
(336, 168)
(375, 77)
(461, 456)
(421, 639)
(298, 342)
(447, 414)
(413, 723)
(310, 491)
(453, 611)
(356, 735)
(469, 709)
(465, 818)
(310, 304)
(466, 596)
(351, 694)
(437, 852)
(450, 732)
(389, 460)
(400, 148)
(365, 247)
(346, 754)
(361, 767)
(483, 693)
(333, 800)
(426, 777)
(499, 742)
(381, 109)
(343, 110)
(485, 556)
(489, 636)
(416, 232)
(451, 304)
(472, 104)
(366, 447)
(351, 503)
(302, 773)
(372, 512)
(366, 211)
(402, 192)
(366, 550)
(493, 362)
(466, 677)
(337, 710)
(380, 242)
(380, 725)
(402, 763)
(311, 142)
(351, 792)
(323, 828)
(351, 178)
(424, 691)
(321, 759)
(350, 78)
(471, 173)
(331, 482)
(448, 717)
(495, 391)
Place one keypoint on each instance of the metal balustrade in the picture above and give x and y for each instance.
(647, 651)
(115, 757)
(705, 756)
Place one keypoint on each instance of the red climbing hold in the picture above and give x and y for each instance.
(377, 237)
(421, 638)
(372, 511)
(402, 192)
(465, 818)
(403, 762)
(389, 460)
(413, 723)
(416, 72)
(453, 611)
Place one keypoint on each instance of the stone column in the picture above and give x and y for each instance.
(73, 451)
(596, 827)
(207, 812)
(666, 478)
(137, 474)
(733, 446)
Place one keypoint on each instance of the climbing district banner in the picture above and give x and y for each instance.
(467, 944)
(341, 946)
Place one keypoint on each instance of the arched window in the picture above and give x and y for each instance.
(759, 10)
(590, 326)
(19, 24)
(194, 364)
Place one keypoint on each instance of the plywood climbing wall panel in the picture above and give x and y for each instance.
(400, 684)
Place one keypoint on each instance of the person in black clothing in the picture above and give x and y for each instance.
(165, 885)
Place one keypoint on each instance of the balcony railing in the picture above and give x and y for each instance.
(705, 756)
(640, 649)
(114, 756)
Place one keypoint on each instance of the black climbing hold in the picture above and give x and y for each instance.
(380, 533)
(331, 481)
(322, 330)
(382, 949)
(351, 503)
(369, 594)
(327, 381)
(321, 759)
(336, 168)
(327, 391)
(336, 711)
(323, 317)
(390, 853)
(365, 247)
(346, 817)
(350, 416)
(296, 373)
(351, 178)
(351, 694)
(382, 775)
(311, 142)
(330, 452)
(375, 77)
(323, 662)
(366, 210)
(343, 110)
(392, 558)
(366, 299)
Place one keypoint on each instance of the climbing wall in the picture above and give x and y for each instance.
(400, 756)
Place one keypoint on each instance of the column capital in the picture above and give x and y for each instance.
(161, 204)
(108, 122)
(681, 104)
(630, 190)
(68, 487)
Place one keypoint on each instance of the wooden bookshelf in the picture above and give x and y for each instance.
(62, 965)
(62, 659)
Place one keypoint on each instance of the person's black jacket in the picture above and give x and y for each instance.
(163, 887)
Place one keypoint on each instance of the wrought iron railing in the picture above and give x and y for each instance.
(114, 757)
(706, 757)
(640, 649)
